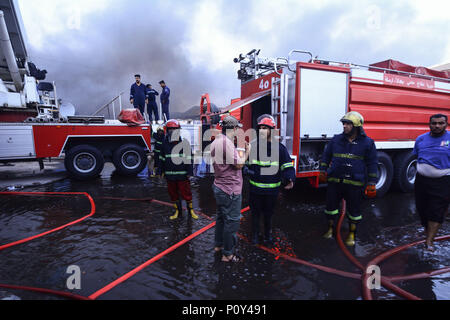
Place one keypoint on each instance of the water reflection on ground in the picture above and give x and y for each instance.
(124, 234)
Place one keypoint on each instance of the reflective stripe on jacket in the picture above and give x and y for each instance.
(354, 163)
(278, 170)
(176, 165)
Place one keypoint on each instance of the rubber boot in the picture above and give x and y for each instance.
(178, 210)
(329, 233)
(191, 210)
(350, 241)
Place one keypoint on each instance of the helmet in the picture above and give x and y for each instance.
(230, 122)
(354, 117)
(266, 120)
(173, 124)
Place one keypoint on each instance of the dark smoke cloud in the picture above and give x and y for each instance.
(94, 64)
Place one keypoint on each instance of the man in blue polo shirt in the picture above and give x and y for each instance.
(138, 94)
(432, 184)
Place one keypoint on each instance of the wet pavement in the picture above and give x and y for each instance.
(124, 234)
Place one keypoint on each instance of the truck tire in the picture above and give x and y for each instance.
(405, 169)
(385, 174)
(129, 159)
(84, 162)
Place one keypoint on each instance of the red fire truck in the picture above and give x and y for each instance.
(309, 98)
(33, 128)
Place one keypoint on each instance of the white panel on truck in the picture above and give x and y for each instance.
(16, 142)
(323, 102)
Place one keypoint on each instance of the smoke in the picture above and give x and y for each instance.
(93, 64)
(189, 44)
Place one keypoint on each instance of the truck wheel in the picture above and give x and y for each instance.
(84, 162)
(129, 159)
(405, 169)
(385, 173)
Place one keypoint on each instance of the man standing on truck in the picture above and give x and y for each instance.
(152, 108)
(270, 166)
(350, 163)
(165, 95)
(176, 164)
(138, 94)
(432, 184)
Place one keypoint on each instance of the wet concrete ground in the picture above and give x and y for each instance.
(124, 234)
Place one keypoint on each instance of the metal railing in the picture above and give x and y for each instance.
(110, 107)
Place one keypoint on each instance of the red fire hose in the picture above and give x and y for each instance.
(154, 259)
(2, 247)
(385, 281)
(12, 244)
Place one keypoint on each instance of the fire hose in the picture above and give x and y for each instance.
(385, 281)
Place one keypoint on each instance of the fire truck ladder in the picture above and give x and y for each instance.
(279, 103)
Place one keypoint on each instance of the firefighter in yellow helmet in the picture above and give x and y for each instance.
(349, 166)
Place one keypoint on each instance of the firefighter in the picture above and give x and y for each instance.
(176, 164)
(158, 138)
(349, 163)
(270, 166)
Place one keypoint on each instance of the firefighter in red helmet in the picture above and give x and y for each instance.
(176, 165)
(270, 167)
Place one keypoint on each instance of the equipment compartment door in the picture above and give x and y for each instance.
(323, 102)
(16, 142)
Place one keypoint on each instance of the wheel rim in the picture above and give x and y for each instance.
(131, 160)
(382, 176)
(84, 162)
(411, 171)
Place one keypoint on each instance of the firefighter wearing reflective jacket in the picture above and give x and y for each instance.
(270, 166)
(158, 138)
(350, 164)
(176, 165)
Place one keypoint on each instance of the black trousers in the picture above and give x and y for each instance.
(432, 198)
(262, 206)
(353, 196)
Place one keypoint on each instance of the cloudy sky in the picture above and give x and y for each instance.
(92, 49)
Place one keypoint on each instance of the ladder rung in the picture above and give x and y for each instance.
(276, 81)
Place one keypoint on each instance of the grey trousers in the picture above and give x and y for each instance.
(228, 220)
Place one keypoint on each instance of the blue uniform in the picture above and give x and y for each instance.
(165, 95)
(152, 107)
(266, 177)
(159, 140)
(349, 166)
(176, 166)
(434, 151)
(270, 182)
(138, 94)
(354, 163)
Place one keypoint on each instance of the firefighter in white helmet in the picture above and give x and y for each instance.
(349, 165)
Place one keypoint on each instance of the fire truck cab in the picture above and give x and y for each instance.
(308, 98)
